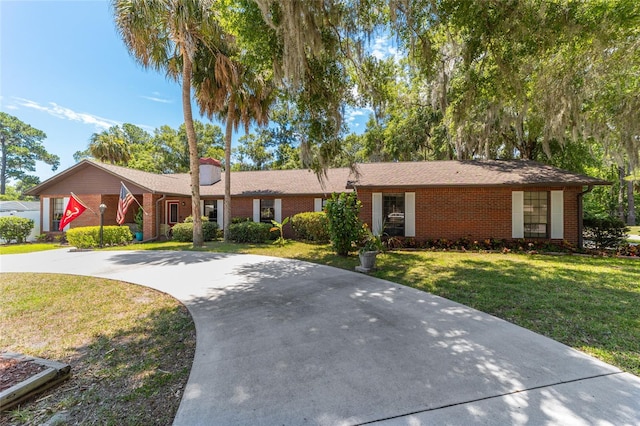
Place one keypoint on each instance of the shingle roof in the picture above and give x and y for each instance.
(19, 206)
(467, 173)
(305, 182)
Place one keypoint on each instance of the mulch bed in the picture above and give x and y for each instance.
(13, 371)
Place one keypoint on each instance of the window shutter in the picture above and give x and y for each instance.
(409, 214)
(517, 214)
(277, 209)
(65, 201)
(376, 213)
(256, 210)
(317, 204)
(46, 214)
(557, 215)
(220, 207)
(201, 207)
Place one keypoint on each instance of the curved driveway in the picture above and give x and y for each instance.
(283, 342)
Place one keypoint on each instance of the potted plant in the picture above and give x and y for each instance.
(139, 225)
(370, 246)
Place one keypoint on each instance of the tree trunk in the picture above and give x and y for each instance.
(631, 204)
(227, 168)
(194, 160)
(621, 183)
(3, 172)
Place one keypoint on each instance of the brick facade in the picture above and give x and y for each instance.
(470, 212)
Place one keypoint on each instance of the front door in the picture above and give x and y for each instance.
(172, 212)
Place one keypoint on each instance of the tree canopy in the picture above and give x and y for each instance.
(21, 146)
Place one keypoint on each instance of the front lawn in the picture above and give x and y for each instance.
(130, 348)
(27, 248)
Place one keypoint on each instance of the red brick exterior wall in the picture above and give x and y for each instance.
(470, 212)
(447, 212)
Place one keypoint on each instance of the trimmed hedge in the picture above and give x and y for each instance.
(13, 228)
(311, 226)
(89, 236)
(250, 232)
(183, 232)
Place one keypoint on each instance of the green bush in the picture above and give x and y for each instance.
(183, 232)
(89, 236)
(345, 228)
(605, 231)
(239, 219)
(189, 219)
(250, 232)
(13, 228)
(311, 226)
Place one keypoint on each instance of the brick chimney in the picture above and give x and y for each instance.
(209, 171)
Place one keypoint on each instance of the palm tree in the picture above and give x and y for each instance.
(110, 146)
(236, 95)
(165, 35)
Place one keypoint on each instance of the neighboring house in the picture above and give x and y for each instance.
(25, 209)
(422, 200)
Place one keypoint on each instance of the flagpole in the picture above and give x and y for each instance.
(134, 198)
(81, 202)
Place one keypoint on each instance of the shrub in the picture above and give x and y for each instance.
(183, 232)
(13, 228)
(311, 226)
(604, 231)
(241, 219)
(345, 228)
(89, 236)
(250, 232)
(189, 219)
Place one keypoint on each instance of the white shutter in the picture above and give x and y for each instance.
(277, 209)
(65, 201)
(201, 207)
(517, 214)
(376, 213)
(220, 207)
(256, 210)
(409, 214)
(46, 214)
(557, 215)
(317, 204)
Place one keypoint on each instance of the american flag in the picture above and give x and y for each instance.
(126, 198)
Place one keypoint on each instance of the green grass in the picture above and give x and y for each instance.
(130, 348)
(634, 230)
(27, 248)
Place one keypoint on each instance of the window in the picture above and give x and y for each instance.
(173, 212)
(393, 214)
(57, 210)
(211, 210)
(267, 211)
(536, 214)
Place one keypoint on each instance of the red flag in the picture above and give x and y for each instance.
(74, 209)
(126, 198)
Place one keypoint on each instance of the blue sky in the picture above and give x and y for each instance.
(65, 70)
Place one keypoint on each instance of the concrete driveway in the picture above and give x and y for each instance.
(282, 342)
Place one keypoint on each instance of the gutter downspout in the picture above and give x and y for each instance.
(581, 214)
(158, 201)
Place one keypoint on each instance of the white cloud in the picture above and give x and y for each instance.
(157, 99)
(382, 49)
(351, 115)
(68, 114)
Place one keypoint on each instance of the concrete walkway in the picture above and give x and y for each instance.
(282, 342)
